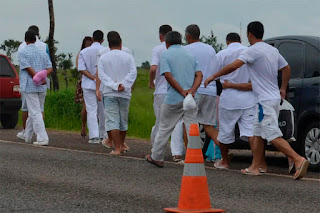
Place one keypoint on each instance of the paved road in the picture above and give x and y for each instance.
(73, 176)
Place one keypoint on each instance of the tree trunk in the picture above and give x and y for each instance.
(54, 75)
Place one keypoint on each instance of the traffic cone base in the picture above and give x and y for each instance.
(193, 211)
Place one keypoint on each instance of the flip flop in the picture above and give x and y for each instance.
(112, 153)
(302, 170)
(262, 170)
(246, 171)
(156, 163)
(218, 166)
(291, 165)
(104, 143)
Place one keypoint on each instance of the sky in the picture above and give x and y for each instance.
(138, 21)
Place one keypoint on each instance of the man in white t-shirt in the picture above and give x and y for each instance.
(206, 56)
(237, 101)
(87, 65)
(159, 82)
(27, 126)
(117, 72)
(264, 62)
(108, 141)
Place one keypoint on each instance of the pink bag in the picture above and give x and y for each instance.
(40, 77)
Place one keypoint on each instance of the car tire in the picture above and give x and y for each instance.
(310, 146)
(9, 121)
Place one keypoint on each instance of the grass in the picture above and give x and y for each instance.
(62, 113)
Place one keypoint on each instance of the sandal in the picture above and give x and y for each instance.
(177, 158)
(112, 153)
(302, 170)
(218, 166)
(246, 171)
(156, 163)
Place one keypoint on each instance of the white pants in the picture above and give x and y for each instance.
(35, 120)
(170, 116)
(176, 143)
(95, 112)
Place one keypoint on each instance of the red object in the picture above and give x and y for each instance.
(9, 79)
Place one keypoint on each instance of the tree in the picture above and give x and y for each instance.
(51, 42)
(145, 65)
(212, 41)
(10, 46)
(65, 63)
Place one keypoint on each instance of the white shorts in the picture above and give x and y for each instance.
(24, 107)
(228, 120)
(207, 113)
(266, 120)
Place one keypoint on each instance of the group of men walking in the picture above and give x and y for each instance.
(250, 96)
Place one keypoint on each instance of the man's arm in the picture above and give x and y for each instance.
(196, 83)
(105, 79)
(285, 80)
(242, 87)
(152, 71)
(49, 71)
(175, 84)
(224, 71)
(30, 71)
(131, 75)
(98, 82)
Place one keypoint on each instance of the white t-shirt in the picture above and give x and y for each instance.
(107, 49)
(117, 67)
(232, 98)
(264, 62)
(88, 59)
(206, 56)
(160, 80)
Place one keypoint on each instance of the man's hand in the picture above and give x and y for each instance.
(283, 93)
(192, 91)
(184, 93)
(121, 88)
(151, 85)
(226, 84)
(98, 95)
(209, 80)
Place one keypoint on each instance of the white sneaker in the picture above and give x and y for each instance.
(94, 140)
(41, 143)
(21, 135)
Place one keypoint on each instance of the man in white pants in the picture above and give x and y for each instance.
(117, 72)
(27, 126)
(31, 61)
(87, 64)
(184, 77)
(206, 56)
(160, 92)
(264, 62)
(237, 101)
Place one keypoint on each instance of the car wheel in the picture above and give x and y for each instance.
(9, 121)
(311, 145)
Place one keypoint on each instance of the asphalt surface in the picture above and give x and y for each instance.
(73, 176)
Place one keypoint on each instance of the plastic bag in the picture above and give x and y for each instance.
(189, 103)
(40, 77)
(213, 152)
(286, 121)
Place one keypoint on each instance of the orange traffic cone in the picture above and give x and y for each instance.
(194, 193)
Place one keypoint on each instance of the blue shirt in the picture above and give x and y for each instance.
(39, 60)
(183, 67)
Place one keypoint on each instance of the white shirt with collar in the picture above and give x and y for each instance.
(160, 80)
(232, 98)
(117, 67)
(206, 56)
(88, 58)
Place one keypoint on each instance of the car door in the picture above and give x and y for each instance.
(294, 53)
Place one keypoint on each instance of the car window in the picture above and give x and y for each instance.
(312, 61)
(5, 68)
(293, 52)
